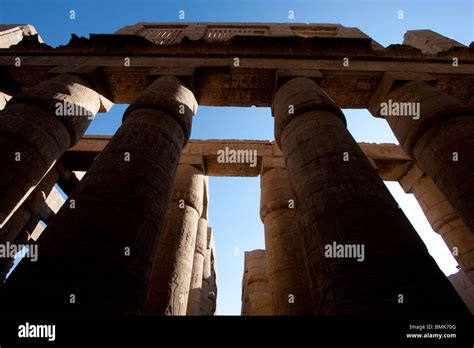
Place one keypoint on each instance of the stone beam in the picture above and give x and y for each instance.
(267, 53)
(388, 159)
(220, 84)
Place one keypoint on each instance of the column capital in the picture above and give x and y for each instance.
(410, 178)
(188, 186)
(392, 80)
(275, 192)
(298, 96)
(68, 97)
(169, 95)
(94, 76)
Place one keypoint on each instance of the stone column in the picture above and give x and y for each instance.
(36, 127)
(363, 255)
(213, 279)
(173, 262)
(439, 137)
(96, 255)
(195, 287)
(213, 285)
(21, 225)
(287, 274)
(194, 300)
(442, 218)
(208, 296)
(256, 299)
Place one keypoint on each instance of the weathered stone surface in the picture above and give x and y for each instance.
(265, 51)
(341, 199)
(388, 159)
(287, 273)
(442, 218)
(464, 287)
(440, 141)
(429, 41)
(11, 34)
(194, 299)
(173, 262)
(33, 137)
(256, 296)
(209, 285)
(110, 232)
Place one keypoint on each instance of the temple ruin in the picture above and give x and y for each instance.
(133, 236)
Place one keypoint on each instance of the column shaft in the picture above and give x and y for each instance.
(440, 140)
(36, 127)
(442, 218)
(95, 256)
(207, 294)
(287, 274)
(364, 256)
(255, 288)
(173, 262)
(194, 300)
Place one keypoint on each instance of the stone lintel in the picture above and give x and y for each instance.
(195, 160)
(389, 160)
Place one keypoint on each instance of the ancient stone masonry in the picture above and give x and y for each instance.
(256, 293)
(173, 262)
(286, 269)
(442, 218)
(130, 233)
(209, 277)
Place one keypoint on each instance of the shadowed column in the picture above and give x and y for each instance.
(442, 218)
(364, 256)
(256, 296)
(440, 138)
(36, 127)
(287, 277)
(194, 300)
(173, 262)
(208, 295)
(95, 256)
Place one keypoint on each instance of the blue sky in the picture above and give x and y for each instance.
(234, 205)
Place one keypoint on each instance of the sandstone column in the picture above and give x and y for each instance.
(95, 256)
(287, 276)
(439, 138)
(442, 218)
(256, 297)
(173, 262)
(213, 285)
(343, 205)
(34, 133)
(21, 225)
(207, 289)
(194, 300)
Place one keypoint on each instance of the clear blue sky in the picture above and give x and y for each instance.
(234, 202)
